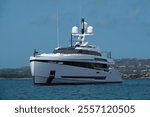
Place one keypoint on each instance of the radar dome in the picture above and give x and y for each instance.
(90, 29)
(74, 30)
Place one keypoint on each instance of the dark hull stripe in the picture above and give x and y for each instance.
(72, 60)
(87, 77)
(40, 61)
(83, 83)
(89, 65)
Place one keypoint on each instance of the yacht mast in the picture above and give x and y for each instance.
(82, 26)
(57, 29)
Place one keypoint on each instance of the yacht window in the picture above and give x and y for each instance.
(87, 65)
(100, 59)
(75, 51)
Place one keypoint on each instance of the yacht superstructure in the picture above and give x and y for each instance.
(78, 63)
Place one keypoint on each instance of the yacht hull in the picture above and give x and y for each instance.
(45, 73)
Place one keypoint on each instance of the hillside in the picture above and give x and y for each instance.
(134, 68)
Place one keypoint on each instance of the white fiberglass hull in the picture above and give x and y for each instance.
(45, 73)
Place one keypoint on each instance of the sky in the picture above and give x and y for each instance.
(120, 26)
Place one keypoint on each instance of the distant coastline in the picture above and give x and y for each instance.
(15, 78)
(130, 69)
(133, 68)
(15, 73)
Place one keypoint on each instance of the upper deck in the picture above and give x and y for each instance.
(76, 50)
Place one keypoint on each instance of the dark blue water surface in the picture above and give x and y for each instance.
(24, 89)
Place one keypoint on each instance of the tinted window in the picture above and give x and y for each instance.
(76, 51)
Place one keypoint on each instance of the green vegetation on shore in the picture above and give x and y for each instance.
(130, 68)
(23, 72)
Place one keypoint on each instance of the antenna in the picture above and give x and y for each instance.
(82, 26)
(57, 29)
(71, 40)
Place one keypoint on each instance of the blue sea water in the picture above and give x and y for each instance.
(138, 89)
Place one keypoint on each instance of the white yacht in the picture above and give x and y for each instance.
(79, 63)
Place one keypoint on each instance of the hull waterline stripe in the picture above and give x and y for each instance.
(87, 77)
